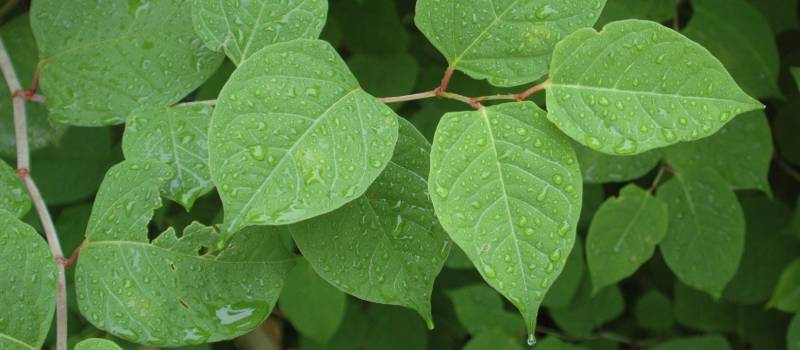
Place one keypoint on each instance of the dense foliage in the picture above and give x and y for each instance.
(381, 174)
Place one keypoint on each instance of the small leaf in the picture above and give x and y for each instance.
(293, 136)
(13, 196)
(350, 335)
(314, 307)
(786, 296)
(696, 310)
(623, 235)
(28, 276)
(741, 152)
(385, 246)
(637, 86)
(507, 189)
(494, 339)
(178, 137)
(97, 344)
(508, 42)
(480, 309)
(708, 342)
(653, 311)
(174, 290)
(705, 239)
(598, 167)
(241, 28)
(588, 311)
(793, 335)
(101, 60)
(749, 52)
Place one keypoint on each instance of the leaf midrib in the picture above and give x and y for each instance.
(645, 93)
(480, 36)
(16, 341)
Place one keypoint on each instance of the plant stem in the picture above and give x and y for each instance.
(412, 97)
(788, 169)
(660, 174)
(534, 89)
(23, 171)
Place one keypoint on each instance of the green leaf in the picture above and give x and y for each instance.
(598, 167)
(786, 296)
(653, 311)
(624, 234)
(708, 342)
(21, 46)
(28, 277)
(507, 42)
(314, 307)
(72, 168)
(589, 310)
(13, 196)
(393, 328)
(385, 246)
(293, 136)
(171, 291)
(653, 10)
(102, 60)
(769, 247)
(566, 286)
(350, 335)
(553, 343)
(705, 239)
(178, 137)
(741, 152)
(696, 310)
(241, 28)
(480, 309)
(493, 339)
(781, 14)
(97, 344)
(507, 189)
(793, 335)
(748, 51)
(637, 86)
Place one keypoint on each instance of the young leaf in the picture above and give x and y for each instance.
(293, 136)
(28, 277)
(653, 10)
(507, 189)
(697, 310)
(385, 246)
(480, 309)
(786, 296)
(705, 239)
(240, 28)
(176, 136)
(507, 42)
(97, 344)
(171, 291)
(741, 152)
(624, 234)
(708, 342)
(598, 167)
(793, 335)
(314, 307)
(101, 60)
(21, 46)
(565, 287)
(588, 310)
(748, 51)
(637, 86)
(654, 311)
(13, 196)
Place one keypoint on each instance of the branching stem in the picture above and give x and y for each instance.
(24, 173)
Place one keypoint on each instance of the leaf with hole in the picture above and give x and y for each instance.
(171, 291)
(294, 136)
(638, 85)
(507, 188)
(507, 42)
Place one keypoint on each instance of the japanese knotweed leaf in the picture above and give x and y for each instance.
(293, 136)
(507, 42)
(623, 235)
(493, 338)
(748, 51)
(21, 46)
(178, 137)
(174, 290)
(242, 27)
(705, 238)
(28, 280)
(13, 196)
(100, 60)
(507, 188)
(638, 85)
(741, 152)
(566, 286)
(589, 310)
(97, 344)
(653, 311)
(786, 296)
(598, 167)
(314, 307)
(386, 246)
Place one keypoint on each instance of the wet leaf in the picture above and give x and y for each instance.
(97, 344)
(13, 196)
